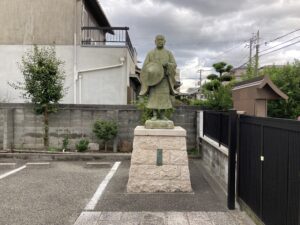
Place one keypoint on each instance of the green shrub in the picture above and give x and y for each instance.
(193, 151)
(287, 79)
(148, 113)
(105, 130)
(212, 77)
(196, 102)
(65, 143)
(82, 145)
(212, 85)
(181, 100)
(225, 78)
(53, 149)
(141, 105)
(219, 99)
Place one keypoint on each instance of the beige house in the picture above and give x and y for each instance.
(100, 61)
(238, 72)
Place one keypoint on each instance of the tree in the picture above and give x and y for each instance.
(226, 78)
(217, 93)
(212, 85)
(43, 82)
(212, 77)
(218, 99)
(249, 71)
(222, 67)
(217, 96)
(287, 78)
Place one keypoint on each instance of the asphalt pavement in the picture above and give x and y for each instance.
(59, 192)
(50, 195)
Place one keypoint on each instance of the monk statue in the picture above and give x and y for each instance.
(158, 79)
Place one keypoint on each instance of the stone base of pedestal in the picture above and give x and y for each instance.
(159, 161)
(159, 124)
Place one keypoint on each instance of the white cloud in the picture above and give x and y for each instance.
(207, 31)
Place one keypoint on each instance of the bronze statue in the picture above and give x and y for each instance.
(158, 79)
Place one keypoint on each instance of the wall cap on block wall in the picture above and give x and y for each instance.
(177, 131)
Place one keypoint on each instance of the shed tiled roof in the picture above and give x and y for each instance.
(260, 82)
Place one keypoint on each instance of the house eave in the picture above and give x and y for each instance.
(95, 9)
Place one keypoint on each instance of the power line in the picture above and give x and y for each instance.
(246, 56)
(245, 63)
(228, 50)
(252, 40)
(279, 44)
(280, 48)
(268, 53)
(283, 35)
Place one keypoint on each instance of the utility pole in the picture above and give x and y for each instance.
(250, 69)
(200, 78)
(200, 81)
(250, 46)
(256, 54)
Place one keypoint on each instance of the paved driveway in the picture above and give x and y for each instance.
(47, 195)
(69, 193)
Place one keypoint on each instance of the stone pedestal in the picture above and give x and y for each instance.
(151, 171)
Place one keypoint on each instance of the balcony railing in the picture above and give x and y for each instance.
(107, 36)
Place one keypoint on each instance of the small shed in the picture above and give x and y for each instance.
(251, 96)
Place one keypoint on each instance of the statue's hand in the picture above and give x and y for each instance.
(165, 65)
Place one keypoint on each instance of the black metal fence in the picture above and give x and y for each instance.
(216, 125)
(269, 169)
(106, 36)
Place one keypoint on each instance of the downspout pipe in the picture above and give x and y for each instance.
(75, 71)
(75, 54)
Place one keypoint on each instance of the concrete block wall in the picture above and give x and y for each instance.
(25, 128)
(8, 129)
(1, 127)
(214, 157)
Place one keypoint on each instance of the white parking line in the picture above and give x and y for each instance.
(93, 202)
(12, 172)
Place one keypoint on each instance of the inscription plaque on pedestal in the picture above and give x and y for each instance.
(159, 160)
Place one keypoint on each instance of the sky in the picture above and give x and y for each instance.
(202, 32)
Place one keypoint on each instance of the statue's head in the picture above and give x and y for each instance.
(160, 41)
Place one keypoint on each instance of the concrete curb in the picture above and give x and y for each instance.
(44, 156)
(98, 165)
(7, 165)
(66, 156)
(39, 165)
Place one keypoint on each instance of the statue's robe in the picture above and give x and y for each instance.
(159, 94)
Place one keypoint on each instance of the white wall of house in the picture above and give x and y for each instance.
(106, 83)
(11, 56)
(103, 79)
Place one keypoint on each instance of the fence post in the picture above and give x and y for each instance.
(232, 144)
